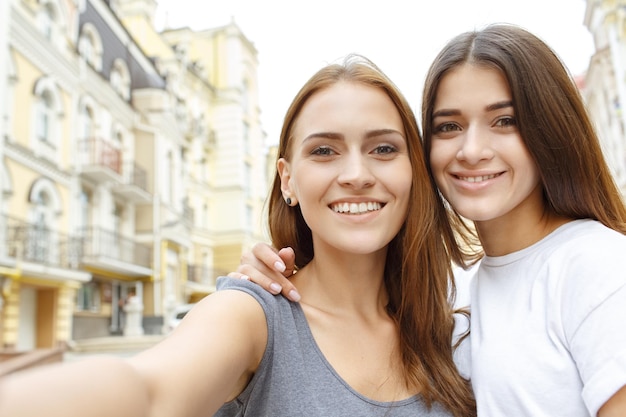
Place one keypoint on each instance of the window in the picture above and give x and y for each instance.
(84, 200)
(41, 241)
(246, 138)
(87, 122)
(46, 20)
(90, 46)
(88, 297)
(204, 222)
(9, 96)
(168, 179)
(47, 116)
(50, 20)
(120, 79)
(44, 117)
(118, 212)
(245, 104)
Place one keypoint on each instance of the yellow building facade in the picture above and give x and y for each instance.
(133, 163)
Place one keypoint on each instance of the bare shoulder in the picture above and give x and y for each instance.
(230, 314)
(218, 346)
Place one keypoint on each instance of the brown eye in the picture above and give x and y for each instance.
(322, 150)
(506, 121)
(385, 149)
(446, 127)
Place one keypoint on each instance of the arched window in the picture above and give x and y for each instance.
(47, 116)
(44, 115)
(120, 79)
(46, 20)
(90, 46)
(45, 203)
(41, 239)
(50, 20)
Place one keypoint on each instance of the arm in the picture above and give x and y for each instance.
(101, 386)
(270, 269)
(206, 361)
(615, 406)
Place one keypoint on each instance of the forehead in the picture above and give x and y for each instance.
(346, 92)
(471, 85)
(348, 106)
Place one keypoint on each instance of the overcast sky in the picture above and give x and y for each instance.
(295, 38)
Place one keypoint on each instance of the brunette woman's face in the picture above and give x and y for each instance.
(350, 170)
(478, 158)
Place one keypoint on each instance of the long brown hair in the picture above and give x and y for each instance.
(418, 267)
(551, 118)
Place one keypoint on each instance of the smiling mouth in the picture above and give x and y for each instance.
(356, 208)
(479, 178)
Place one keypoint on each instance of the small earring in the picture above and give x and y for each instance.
(288, 201)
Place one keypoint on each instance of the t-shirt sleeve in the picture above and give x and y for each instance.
(595, 324)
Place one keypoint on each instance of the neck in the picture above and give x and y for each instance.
(503, 236)
(335, 281)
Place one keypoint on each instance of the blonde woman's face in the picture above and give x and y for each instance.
(350, 170)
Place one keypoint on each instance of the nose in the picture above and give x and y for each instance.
(476, 146)
(355, 172)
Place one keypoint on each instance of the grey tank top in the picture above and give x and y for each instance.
(294, 378)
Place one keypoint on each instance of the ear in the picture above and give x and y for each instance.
(284, 171)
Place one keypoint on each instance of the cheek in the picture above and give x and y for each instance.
(437, 162)
(403, 183)
(308, 185)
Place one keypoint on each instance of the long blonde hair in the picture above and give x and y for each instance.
(418, 267)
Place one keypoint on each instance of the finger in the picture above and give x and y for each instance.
(267, 255)
(266, 267)
(264, 277)
(238, 275)
(288, 257)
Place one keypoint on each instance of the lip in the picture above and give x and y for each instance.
(476, 179)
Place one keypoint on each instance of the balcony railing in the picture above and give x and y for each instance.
(99, 152)
(35, 243)
(203, 275)
(137, 176)
(103, 243)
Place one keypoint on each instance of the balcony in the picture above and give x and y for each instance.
(110, 251)
(40, 252)
(134, 184)
(201, 280)
(99, 160)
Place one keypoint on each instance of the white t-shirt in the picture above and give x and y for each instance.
(548, 325)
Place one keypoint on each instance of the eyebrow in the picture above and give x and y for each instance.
(369, 134)
(454, 112)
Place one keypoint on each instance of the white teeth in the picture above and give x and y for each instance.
(356, 208)
(479, 179)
